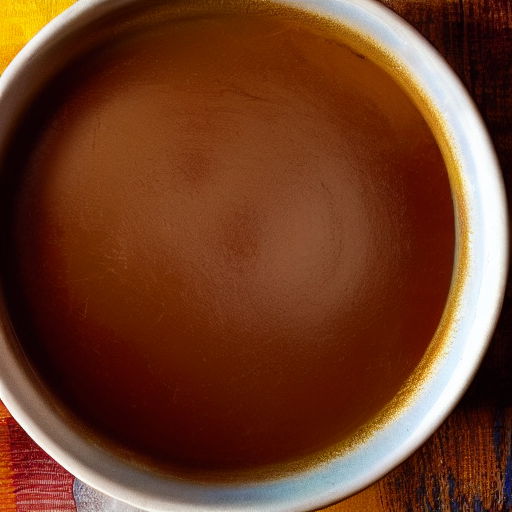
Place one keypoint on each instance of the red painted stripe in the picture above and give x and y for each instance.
(40, 484)
(7, 499)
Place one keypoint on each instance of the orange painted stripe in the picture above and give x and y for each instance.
(7, 498)
(4, 413)
(366, 501)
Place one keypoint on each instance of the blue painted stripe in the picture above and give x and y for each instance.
(507, 484)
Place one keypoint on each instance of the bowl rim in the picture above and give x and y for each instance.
(336, 479)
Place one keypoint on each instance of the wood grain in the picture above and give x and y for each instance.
(467, 464)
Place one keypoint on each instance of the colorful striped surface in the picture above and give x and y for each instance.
(30, 481)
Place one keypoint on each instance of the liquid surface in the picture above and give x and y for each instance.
(232, 241)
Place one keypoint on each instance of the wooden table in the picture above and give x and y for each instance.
(467, 463)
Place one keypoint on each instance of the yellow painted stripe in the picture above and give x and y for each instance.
(20, 20)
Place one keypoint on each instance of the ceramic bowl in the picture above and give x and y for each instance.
(481, 228)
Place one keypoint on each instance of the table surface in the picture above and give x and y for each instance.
(467, 464)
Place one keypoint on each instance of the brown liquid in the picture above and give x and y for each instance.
(232, 241)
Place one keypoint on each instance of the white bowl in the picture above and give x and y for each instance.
(480, 286)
